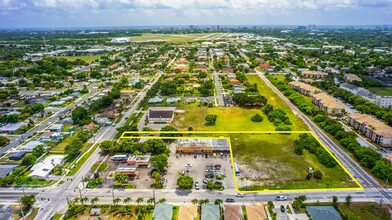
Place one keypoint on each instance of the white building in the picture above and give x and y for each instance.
(43, 169)
(29, 146)
(121, 40)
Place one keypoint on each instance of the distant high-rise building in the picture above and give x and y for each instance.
(191, 26)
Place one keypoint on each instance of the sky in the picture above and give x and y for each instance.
(105, 13)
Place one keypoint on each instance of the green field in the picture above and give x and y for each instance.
(276, 102)
(229, 119)
(88, 59)
(365, 211)
(270, 163)
(175, 38)
(384, 91)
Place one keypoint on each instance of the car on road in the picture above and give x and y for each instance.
(188, 165)
(197, 186)
(230, 200)
(195, 156)
(282, 208)
(281, 198)
(239, 195)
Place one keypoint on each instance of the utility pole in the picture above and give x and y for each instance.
(113, 194)
(80, 193)
(21, 209)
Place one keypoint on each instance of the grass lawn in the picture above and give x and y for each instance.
(61, 146)
(124, 186)
(276, 102)
(101, 167)
(57, 217)
(269, 160)
(229, 119)
(385, 91)
(82, 160)
(88, 59)
(176, 210)
(129, 212)
(175, 38)
(364, 211)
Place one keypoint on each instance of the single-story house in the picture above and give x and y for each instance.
(11, 127)
(56, 103)
(163, 211)
(56, 128)
(29, 146)
(46, 136)
(6, 169)
(255, 212)
(172, 100)
(322, 213)
(126, 93)
(210, 212)
(43, 169)
(155, 100)
(188, 212)
(17, 156)
(67, 120)
(90, 126)
(161, 114)
(233, 212)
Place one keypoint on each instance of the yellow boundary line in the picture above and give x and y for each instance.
(360, 187)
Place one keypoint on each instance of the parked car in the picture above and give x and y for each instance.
(281, 198)
(197, 187)
(230, 200)
(239, 195)
(195, 156)
(282, 208)
(206, 180)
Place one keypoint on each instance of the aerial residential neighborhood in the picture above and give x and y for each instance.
(206, 122)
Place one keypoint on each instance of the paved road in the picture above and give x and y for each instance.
(218, 89)
(50, 120)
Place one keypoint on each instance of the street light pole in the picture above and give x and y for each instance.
(21, 209)
(113, 194)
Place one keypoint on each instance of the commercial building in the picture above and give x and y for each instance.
(329, 104)
(382, 101)
(202, 146)
(128, 169)
(160, 114)
(314, 74)
(372, 128)
(139, 160)
(121, 40)
(304, 88)
(322, 213)
(126, 94)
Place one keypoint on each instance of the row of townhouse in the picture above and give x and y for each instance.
(372, 128)
(304, 88)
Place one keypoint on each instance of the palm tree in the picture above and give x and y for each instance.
(94, 200)
(76, 200)
(223, 176)
(150, 201)
(348, 199)
(127, 200)
(195, 201)
(116, 201)
(218, 201)
(163, 200)
(246, 180)
(318, 175)
(139, 200)
(83, 200)
(120, 178)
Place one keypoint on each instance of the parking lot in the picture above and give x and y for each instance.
(196, 166)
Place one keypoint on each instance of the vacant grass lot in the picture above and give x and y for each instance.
(274, 100)
(59, 148)
(229, 119)
(386, 91)
(270, 163)
(88, 59)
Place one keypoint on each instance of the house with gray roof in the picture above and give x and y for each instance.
(210, 212)
(322, 213)
(6, 169)
(163, 211)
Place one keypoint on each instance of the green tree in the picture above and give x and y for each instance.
(139, 200)
(127, 200)
(27, 201)
(162, 200)
(256, 118)
(348, 200)
(211, 119)
(106, 146)
(116, 201)
(29, 160)
(155, 146)
(3, 141)
(150, 201)
(335, 200)
(318, 175)
(80, 116)
(185, 182)
(218, 202)
(159, 162)
(157, 180)
(94, 200)
(120, 178)
(195, 201)
(38, 150)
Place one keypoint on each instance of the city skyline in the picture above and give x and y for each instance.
(99, 13)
